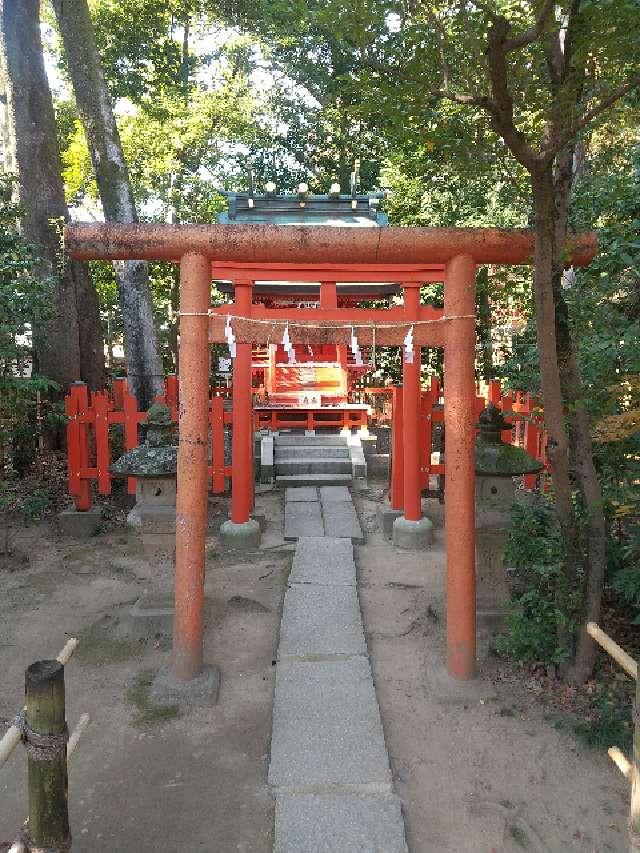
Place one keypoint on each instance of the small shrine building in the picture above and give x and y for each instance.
(307, 385)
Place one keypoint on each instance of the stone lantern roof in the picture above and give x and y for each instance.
(494, 458)
(158, 456)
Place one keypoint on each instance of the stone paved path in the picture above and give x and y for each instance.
(329, 766)
(325, 511)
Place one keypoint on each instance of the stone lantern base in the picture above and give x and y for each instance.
(494, 496)
(154, 514)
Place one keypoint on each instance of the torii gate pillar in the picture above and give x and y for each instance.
(459, 419)
(411, 531)
(242, 532)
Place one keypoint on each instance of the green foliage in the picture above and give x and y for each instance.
(607, 721)
(538, 627)
(25, 299)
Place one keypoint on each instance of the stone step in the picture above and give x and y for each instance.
(306, 451)
(323, 562)
(326, 727)
(344, 821)
(320, 621)
(311, 440)
(341, 521)
(312, 466)
(302, 518)
(285, 480)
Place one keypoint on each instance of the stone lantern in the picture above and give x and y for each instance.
(154, 465)
(497, 464)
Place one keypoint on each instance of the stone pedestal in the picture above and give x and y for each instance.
(412, 535)
(154, 514)
(494, 496)
(241, 537)
(386, 518)
(80, 525)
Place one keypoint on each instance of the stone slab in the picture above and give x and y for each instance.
(302, 519)
(80, 525)
(341, 521)
(283, 480)
(150, 616)
(323, 561)
(339, 823)
(301, 493)
(318, 621)
(333, 494)
(285, 466)
(326, 727)
(306, 452)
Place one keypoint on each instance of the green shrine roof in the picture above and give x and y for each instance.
(302, 208)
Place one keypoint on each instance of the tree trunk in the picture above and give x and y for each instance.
(561, 381)
(144, 366)
(545, 267)
(69, 347)
(594, 548)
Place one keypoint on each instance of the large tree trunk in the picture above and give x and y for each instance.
(69, 347)
(144, 365)
(570, 451)
(594, 548)
(545, 267)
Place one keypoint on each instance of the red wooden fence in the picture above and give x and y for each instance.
(89, 440)
(526, 431)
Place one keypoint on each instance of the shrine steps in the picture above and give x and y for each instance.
(317, 460)
(285, 480)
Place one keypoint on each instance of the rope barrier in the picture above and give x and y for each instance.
(13, 735)
(38, 746)
(337, 325)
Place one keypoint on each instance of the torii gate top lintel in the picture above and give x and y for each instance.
(309, 244)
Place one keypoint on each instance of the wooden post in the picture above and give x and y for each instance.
(634, 810)
(460, 511)
(192, 475)
(47, 759)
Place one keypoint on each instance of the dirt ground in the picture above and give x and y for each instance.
(489, 778)
(145, 780)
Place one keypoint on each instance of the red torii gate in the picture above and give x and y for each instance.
(246, 253)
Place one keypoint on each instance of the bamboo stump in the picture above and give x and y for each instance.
(45, 735)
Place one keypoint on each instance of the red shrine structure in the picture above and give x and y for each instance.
(249, 253)
(307, 386)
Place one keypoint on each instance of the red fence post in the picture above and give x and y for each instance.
(101, 407)
(76, 407)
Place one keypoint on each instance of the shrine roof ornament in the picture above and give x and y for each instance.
(303, 208)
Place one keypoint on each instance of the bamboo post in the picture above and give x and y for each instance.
(45, 735)
(634, 810)
(11, 737)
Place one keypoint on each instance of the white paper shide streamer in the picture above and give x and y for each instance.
(231, 338)
(408, 347)
(288, 346)
(355, 349)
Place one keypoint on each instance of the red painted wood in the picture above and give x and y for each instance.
(101, 405)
